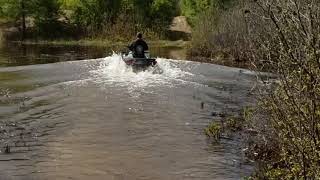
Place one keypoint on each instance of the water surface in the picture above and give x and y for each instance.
(96, 119)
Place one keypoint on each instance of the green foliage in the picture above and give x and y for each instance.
(44, 12)
(69, 4)
(234, 124)
(227, 125)
(220, 34)
(285, 34)
(46, 17)
(248, 113)
(91, 16)
(141, 11)
(9, 9)
(195, 9)
(214, 130)
(95, 13)
(163, 10)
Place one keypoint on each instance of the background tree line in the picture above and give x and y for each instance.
(69, 18)
(52, 18)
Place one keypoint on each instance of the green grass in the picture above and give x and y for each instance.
(213, 130)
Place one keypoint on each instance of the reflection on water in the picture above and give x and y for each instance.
(14, 54)
(96, 119)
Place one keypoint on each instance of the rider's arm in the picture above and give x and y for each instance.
(131, 46)
(146, 48)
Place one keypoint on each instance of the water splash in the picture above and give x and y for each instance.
(114, 71)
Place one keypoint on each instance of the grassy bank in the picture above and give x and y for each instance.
(281, 37)
(99, 41)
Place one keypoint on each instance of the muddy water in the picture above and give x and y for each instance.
(96, 119)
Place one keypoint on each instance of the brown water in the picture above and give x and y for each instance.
(96, 119)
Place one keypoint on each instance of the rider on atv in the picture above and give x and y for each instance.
(138, 47)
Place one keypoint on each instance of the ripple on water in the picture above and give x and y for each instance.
(99, 119)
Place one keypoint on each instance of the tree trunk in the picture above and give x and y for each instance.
(23, 21)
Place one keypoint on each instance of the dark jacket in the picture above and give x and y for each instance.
(138, 47)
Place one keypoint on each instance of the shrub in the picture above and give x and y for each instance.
(285, 36)
(222, 32)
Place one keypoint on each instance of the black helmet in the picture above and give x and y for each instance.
(139, 35)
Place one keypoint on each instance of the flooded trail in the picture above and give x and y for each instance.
(96, 119)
